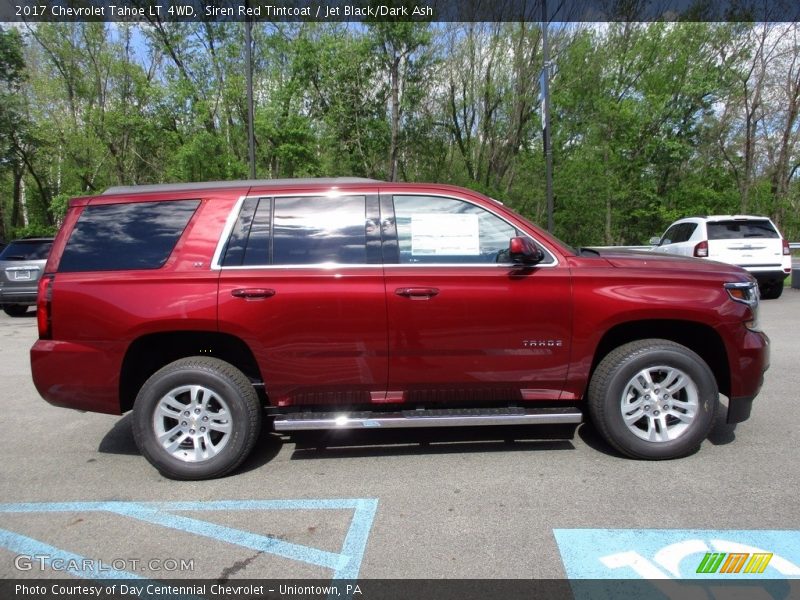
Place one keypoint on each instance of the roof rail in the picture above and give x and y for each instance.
(218, 185)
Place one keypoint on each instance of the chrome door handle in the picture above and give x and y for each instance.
(252, 293)
(417, 292)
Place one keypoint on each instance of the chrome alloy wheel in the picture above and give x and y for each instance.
(659, 403)
(192, 423)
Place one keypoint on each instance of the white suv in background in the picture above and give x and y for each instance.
(753, 243)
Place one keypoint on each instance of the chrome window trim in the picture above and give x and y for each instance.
(339, 266)
(234, 215)
(226, 232)
(470, 265)
(313, 266)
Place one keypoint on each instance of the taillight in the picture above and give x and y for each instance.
(701, 250)
(786, 250)
(44, 300)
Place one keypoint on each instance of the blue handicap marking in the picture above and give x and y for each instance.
(344, 564)
(662, 556)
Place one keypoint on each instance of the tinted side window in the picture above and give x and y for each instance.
(670, 235)
(237, 243)
(139, 235)
(688, 231)
(259, 239)
(683, 232)
(317, 230)
(249, 243)
(444, 230)
(734, 230)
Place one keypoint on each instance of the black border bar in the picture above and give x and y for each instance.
(720, 588)
(398, 10)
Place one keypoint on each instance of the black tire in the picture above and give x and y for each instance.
(224, 392)
(15, 310)
(772, 291)
(617, 381)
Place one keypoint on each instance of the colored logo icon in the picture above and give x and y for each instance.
(733, 562)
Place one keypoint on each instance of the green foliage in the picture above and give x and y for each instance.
(59, 206)
(203, 157)
(633, 112)
(649, 120)
(12, 76)
(36, 230)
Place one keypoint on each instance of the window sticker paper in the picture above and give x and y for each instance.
(444, 235)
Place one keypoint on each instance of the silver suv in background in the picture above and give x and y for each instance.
(750, 242)
(21, 266)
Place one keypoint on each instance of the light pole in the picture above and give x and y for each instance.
(548, 151)
(251, 140)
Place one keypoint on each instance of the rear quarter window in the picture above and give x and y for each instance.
(136, 235)
(734, 230)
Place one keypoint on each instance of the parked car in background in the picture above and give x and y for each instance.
(21, 266)
(750, 242)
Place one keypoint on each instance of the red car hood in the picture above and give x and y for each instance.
(631, 259)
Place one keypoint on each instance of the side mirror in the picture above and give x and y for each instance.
(523, 251)
(655, 241)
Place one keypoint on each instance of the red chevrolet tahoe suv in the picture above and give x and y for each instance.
(350, 303)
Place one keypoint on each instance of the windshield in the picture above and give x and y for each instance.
(567, 246)
(563, 244)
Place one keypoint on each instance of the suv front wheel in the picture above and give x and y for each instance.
(196, 418)
(653, 399)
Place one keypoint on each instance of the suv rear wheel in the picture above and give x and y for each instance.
(653, 399)
(15, 310)
(771, 290)
(196, 418)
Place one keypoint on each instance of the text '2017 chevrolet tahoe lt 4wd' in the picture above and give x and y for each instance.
(350, 303)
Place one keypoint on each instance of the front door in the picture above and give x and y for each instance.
(465, 325)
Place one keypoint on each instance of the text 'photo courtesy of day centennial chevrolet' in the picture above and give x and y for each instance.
(213, 310)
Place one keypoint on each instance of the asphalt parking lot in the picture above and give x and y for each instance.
(455, 505)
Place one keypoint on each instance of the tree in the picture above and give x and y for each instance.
(12, 76)
(632, 103)
(399, 49)
(650, 121)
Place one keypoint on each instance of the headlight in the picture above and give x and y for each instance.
(746, 293)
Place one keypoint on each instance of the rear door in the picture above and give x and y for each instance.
(464, 324)
(747, 242)
(302, 283)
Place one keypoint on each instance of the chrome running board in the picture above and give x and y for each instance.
(426, 418)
